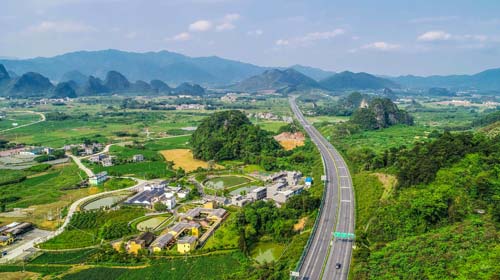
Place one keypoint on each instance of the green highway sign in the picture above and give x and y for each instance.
(343, 235)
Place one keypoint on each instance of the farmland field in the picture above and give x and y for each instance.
(43, 195)
(64, 257)
(84, 237)
(42, 189)
(143, 170)
(206, 267)
(183, 158)
(19, 118)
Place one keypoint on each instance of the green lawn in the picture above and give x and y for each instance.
(151, 223)
(117, 184)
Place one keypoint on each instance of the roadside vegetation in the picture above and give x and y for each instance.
(426, 197)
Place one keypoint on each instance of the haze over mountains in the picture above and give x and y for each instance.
(32, 84)
(98, 72)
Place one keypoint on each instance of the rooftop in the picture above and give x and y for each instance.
(187, 239)
(163, 240)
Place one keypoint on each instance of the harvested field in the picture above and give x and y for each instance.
(184, 158)
(18, 275)
(290, 141)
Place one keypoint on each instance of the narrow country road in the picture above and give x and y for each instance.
(336, 214)
(42, 119)
(78, 162)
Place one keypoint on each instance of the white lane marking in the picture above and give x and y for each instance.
(345, 201)
(345, 187)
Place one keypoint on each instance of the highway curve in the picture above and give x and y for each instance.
(337, 213)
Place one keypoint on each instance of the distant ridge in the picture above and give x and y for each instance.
(171, 67)
(212, 71)
(276, 79)
(32, 84)
(349, 80)
(485, 80)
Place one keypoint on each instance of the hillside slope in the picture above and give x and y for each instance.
(349, 80)
(275, 79)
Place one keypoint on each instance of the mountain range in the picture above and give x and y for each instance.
(32, 84)
(485, 80)
(174, 69)
(291, 80)
(276, 79)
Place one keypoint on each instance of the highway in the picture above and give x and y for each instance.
(337, 213)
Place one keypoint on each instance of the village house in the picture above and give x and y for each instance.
(140, 242)
(138, 158)
(186, 244)
(98, 178)
(152, 192)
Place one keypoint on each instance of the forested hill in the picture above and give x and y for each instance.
(230, 135)
(380, 113)
(442, 219)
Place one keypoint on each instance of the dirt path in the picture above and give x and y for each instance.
(42, 119)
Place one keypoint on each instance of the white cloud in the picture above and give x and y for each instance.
(312, 37)
(231, 17)
(225, 26)
(61, 27)
(200, 26)
(435, 35)
(315, 36)
(381, 46)
(228, 22)
(282, 42)
(256, 32)
(184, 36)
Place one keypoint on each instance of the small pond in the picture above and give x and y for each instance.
(107, 201)
(267, 251)
(222, 182)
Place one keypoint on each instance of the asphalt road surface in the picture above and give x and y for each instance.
(337, 214)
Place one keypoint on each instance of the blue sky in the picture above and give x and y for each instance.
(380, 37)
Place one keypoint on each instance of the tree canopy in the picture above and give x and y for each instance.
(230, 135)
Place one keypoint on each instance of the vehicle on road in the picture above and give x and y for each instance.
(338, 265)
